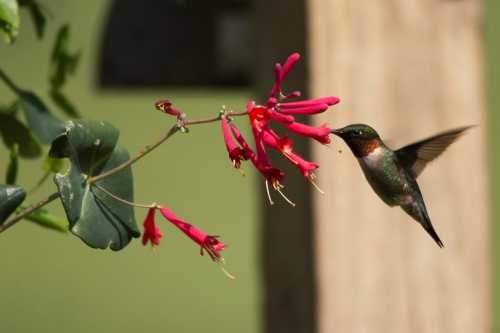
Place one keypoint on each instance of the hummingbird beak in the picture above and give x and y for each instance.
(337, 132)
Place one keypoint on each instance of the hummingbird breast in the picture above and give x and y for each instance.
(385, 176)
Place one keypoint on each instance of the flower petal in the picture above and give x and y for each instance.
(320, 134)
(207, 242)
(331, 100)
(236, 154)
(312, 109)
(152, 232)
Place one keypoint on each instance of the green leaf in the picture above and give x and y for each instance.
(64, 104)
(12, 168)
(10, 198)
(63, 61)
(99, 220)
(43, 218)
(14, 132)
(53, 165)
(44, 125)
(37, 14)
(9, 19)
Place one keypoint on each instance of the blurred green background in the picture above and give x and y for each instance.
(492, 75)
(53, 282)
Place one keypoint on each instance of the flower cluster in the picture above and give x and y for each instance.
(278, 109)
(281, 109)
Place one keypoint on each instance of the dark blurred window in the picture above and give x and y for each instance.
(177, 42)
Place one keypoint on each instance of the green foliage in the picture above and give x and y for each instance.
(37, 14)
(60, 99)
(11, 197)
(9, 20)
(53, 165)
(95, 217)
(44, 219)
(90, 146)
(63, 64)
(12, 168)
(44, 125)
(14, 132)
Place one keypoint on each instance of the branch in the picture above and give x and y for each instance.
(15, 89)
(28, 211)
(149, 148)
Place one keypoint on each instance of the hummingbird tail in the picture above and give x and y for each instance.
(430, 230)
(419, 213)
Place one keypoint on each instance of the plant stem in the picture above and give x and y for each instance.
(28, 211)
(146, 150)
(123, 201)
(141, 154)
(15, 89)
(149, 148)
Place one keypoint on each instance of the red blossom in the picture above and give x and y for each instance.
(289, 64)
(285, 146)
(152, 232)
(258, 115)
(249, 153)
(236, 154)
(308, 110)
(165, 106)
(331, 100)
(206, 242)
(281, 72)
(274, 176)
(279, 109)
(318, 133)
(280, 117)
(263, 159)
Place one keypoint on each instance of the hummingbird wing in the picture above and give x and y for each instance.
(415, 156)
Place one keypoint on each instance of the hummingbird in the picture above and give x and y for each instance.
(393, 173)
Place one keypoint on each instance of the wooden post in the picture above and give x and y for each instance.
(287, 250)
(409, 68)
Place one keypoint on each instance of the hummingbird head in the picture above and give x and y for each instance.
(362, 139)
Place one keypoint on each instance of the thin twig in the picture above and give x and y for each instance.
(134, 159)
(28, 211)
(92, 180)
(163, 138)
(126, 202)
(15, 89)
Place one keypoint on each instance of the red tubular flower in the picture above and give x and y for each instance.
(289, 64)
(206, 242)
(277, 82)
(285, 146)
(258, 115)
(236, 154)
(165, 106)
(312, 109)
(332, 100)
(274, 176)
(281, 72)
(280, 117)
(279, 109)
(293, 94)
(320, 134)
(263, 159)
(152, 232)
(249, 153)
